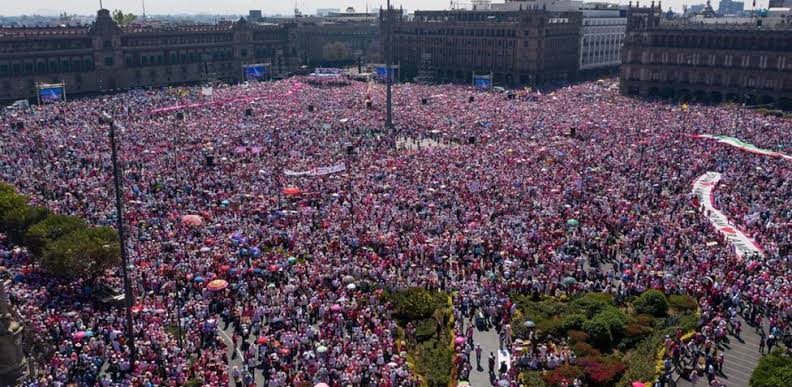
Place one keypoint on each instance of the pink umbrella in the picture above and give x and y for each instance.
(192, 220)
(335, 308)
(321, 385)
(459, 340)
(638, 384)
(217, 284)
(292, 191)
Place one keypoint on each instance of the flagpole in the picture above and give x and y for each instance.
(388, 93)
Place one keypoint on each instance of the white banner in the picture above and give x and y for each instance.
(317, 171)
(744, 245)
(206, 90)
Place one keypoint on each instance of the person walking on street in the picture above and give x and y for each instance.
(491, 363)
(478, 357)
(762, 343)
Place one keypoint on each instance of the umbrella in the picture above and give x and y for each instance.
(459, 340)
(262, 340)
(198, 279)
(348, 279)
(225, 203)
(572, 222)
(273, 268)
(638, 384)
(568, 281)
(335, 308)
(350, 287)
(291, 191)
(321, 349)
(529, 324)
(284, 352)
(225, 268)
(321, 385)
(82, 334)
(292, 260)
(192, 220)
(205, 249)
(217, 284)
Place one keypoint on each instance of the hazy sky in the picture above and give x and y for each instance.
(17, 7)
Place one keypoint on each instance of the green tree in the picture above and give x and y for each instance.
(15, 223)
(615, 319)
(600, 333)
(9, 201)
(83, 253)
(122, 18)
(652, 302)
(50, 229)
(592, 303)
(773, 370)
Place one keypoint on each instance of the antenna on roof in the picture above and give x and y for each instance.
(100, 5)
(144, 8)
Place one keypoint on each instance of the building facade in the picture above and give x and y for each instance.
(707, 62)
(338, 39)
(105, 57)
(519, 47)
(601, 37)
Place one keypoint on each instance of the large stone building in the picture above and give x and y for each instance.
(527, 45)
(338, 39)
(106, 57)
(705, 60)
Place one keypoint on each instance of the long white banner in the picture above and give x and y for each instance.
(743, 244)
(320, 171)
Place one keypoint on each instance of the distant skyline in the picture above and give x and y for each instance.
(160, 7)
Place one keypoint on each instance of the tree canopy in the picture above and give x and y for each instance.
(774, 370)
(64, 245)
(122, 18)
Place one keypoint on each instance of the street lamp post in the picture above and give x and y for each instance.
(388, 81)
(128, 295)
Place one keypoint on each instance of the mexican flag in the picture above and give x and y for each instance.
(737, 143)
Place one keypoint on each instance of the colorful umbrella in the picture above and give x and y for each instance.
(262, 340)
(335, 308)
(192, 220)
(459, 340)
(292, 191)
(217, 284)
(274, 268)
(572, 222)
(321, 349)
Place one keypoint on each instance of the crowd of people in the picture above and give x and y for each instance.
(497, 196)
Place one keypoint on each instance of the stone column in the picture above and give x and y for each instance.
(12, 358)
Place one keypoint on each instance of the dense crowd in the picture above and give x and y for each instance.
(493, 195)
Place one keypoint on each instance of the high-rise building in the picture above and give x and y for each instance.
(730, 7)
(601, 36)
